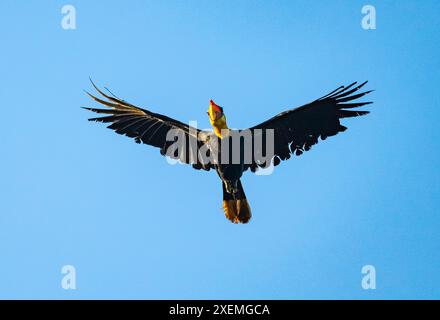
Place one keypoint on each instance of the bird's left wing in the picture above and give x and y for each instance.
(149, 128)
(296, 130)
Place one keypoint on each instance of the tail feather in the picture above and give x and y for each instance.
(236, 206)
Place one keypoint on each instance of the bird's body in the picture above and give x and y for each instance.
(290, 132)
(235, 203)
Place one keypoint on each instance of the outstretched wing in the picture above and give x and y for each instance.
(297, 130)
(150, 128)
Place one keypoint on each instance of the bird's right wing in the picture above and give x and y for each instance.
(151, 128)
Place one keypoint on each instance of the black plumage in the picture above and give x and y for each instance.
(294, 131)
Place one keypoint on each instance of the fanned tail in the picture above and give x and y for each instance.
(236, 206)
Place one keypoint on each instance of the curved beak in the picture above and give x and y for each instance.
(214, 111)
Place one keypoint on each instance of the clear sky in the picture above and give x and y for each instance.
(133, 226)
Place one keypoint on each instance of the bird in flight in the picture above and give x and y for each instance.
(228, 151)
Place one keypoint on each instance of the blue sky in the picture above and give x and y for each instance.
(133, 226)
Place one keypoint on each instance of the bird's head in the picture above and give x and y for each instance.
(215, 112)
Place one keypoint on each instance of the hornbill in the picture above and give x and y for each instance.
(292, 132)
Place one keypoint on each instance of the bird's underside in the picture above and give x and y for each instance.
(291, 132)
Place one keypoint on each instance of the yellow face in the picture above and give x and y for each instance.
(215, 112)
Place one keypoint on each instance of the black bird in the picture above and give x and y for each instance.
(290, 132)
